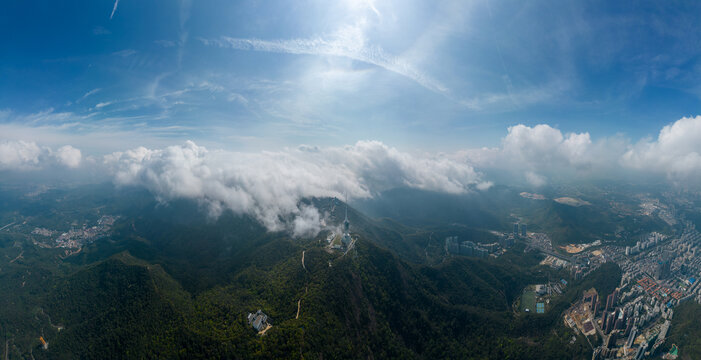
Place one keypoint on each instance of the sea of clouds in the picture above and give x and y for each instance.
(270, 185)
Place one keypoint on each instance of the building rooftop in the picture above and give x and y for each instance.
(259, 320)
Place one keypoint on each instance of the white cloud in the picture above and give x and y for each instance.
(541, 152)
(27, 155)
(237, 97)
(68, 156)
(535, 179)
(543, 144)
(382, 167)
(485, 185)
(540, 146)
(19, 154)
(100, 105)
(89, 93)
(349, 41)
(514, 98)
(114, 8)
(676, 152)
(270, 185)
(307, 223)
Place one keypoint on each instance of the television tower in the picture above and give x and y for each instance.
(346, 223)
(346, 238)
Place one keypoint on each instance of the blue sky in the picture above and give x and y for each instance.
(254, 75)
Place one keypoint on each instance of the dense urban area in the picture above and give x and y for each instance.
(660, 272)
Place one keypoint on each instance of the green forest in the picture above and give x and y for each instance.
(170, 282)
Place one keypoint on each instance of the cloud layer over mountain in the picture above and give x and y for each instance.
(270, 185)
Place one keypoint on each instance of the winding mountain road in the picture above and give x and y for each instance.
(18, 257)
